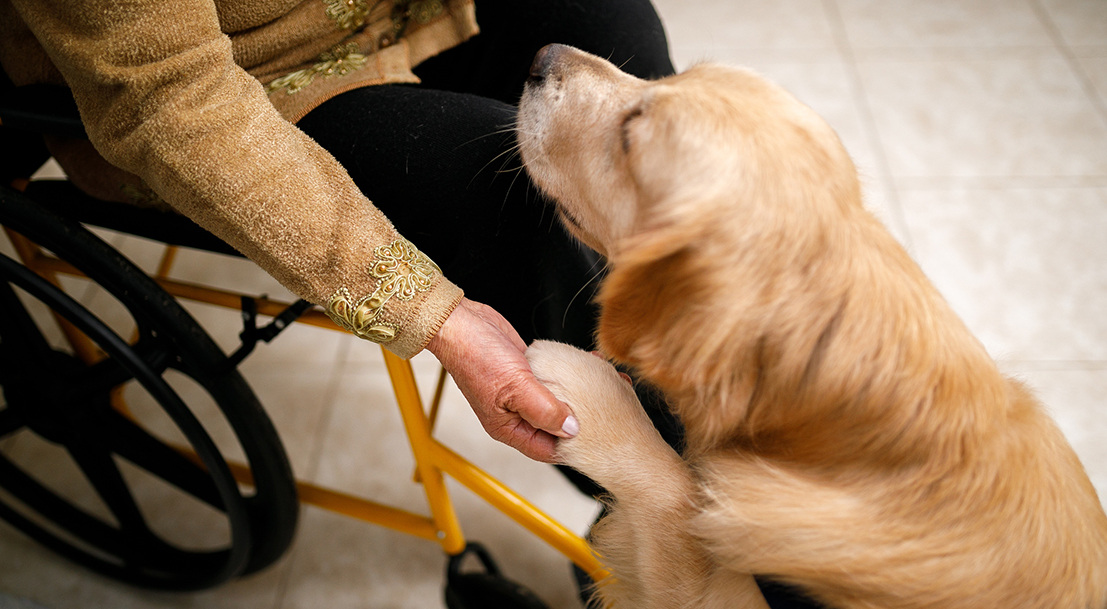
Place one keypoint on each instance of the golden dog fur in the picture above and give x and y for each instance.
(845, 431)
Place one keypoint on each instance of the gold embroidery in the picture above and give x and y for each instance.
(348, 14)
(360, 317)
(403, 11)
(351, 15)
(339, 61)
(426, 10)
(403, 271)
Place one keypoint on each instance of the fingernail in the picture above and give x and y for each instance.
(571, 426)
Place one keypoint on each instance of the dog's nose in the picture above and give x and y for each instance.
(544, 60)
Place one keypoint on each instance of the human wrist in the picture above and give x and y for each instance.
(439, 341)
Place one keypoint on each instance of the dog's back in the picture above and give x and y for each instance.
(846, 431)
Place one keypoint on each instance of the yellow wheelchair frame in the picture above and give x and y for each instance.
(433, 459)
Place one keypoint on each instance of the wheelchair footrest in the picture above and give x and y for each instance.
(487, 589)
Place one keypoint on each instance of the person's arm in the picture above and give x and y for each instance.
(161, 96)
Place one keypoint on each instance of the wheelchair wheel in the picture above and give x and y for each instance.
(54, 396)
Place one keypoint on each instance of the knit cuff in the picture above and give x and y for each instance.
(409, 302)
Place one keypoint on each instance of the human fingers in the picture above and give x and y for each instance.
(534, 402)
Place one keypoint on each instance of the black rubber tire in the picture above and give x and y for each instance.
(261, 525)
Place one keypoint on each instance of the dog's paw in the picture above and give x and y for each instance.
(615, 435)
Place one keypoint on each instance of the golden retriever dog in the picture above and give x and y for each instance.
(846, 434)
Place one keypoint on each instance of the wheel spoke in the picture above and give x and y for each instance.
(136, 445)
(55, 509)
(20, 336)
(155, 352)
(169, 338)
(105, 375)
(10, 421)
(143, 550)
(101, 470)
(97, 380)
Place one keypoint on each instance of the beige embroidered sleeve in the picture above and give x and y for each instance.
(162, 97)
(403, 274)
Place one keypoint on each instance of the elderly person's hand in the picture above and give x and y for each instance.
(484, 354)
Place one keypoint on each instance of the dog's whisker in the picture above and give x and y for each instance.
(511, 157)
(518, 172)
(507, 160)
(509, 153)
(598, 275)
(505, 129)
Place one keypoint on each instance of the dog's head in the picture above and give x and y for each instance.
(713, 193)
(623, 156)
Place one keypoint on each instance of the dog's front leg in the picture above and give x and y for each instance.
(644, 539)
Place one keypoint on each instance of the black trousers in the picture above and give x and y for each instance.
(439, 159)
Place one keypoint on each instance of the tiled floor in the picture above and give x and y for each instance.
(980, 127)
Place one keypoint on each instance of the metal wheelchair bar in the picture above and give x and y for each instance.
(28, 251)
(198, 293)
(432, 458)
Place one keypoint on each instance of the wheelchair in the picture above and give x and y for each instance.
(76, 376)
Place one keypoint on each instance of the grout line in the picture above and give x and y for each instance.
(860, 99)
(908, 54)
(1000, 182)
(328, 398)
(286, 575)
(1070, 57)
(1016, 366)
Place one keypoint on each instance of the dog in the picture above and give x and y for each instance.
(845, 432)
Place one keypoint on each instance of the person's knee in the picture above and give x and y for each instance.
(627, 32)
(630, 34)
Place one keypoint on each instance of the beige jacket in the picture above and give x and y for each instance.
(197, 98)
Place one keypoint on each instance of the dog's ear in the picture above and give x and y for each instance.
(705, 304)
(642, 296)
(661, 313)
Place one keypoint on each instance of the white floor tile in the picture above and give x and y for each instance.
(1080, 22)
(1024, 268)
(1004, 119)
(941, 23)
(1094, 65)
(341, 563)
(31, 571)
(699, 30)
(365, 453)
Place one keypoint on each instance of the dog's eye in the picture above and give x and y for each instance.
(624, 128)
